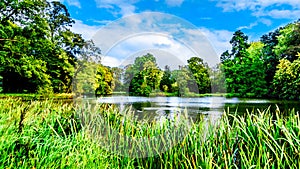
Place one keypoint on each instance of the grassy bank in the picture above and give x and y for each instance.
(48, 134)
(33, 96)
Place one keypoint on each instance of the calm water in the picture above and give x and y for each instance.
(212, 107)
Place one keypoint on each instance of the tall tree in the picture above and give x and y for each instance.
(104, 81)
(118, 78)
(217, 79)
(138, 65)
(200, 73)
(20, 40)
(255, 71)
(243, 67)
(66, 46)
(185, 81)
(87, 62)
(37, 49)
(167, 80)
(233, 62)
(289, 42)
(270, 58)
(287, 79)
(146, 76)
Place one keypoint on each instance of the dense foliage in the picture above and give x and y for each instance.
(40, 54)
(287, 79)
(267, 68)
(147, 77)
(37, 49)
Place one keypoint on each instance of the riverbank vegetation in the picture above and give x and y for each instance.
(268, 68)
(47, 134)
(41, 58)
(40, 54)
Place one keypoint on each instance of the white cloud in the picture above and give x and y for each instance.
(249, 26)
(262, 20)
(267, 22)
(110, 61)
(168, 37)
(237, 5)
(100, 22)
(284, 13)
(74, 3)
(69, 2)
(290, 8)
(219, 39)
(116, 7)
(156, 32)
(174, 3)
(125, 8)
(169, 50)
(86, 31)
(151, 42)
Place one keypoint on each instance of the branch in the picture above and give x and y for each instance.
(8, 40)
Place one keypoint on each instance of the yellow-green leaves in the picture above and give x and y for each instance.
(287, 79)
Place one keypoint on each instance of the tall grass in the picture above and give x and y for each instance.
(51, 134)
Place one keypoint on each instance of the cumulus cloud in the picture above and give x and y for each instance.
(169, 38)
(289, 8)
(160, 32)
(85, 30)
(174, 3)
(251, 25)
(279, 14)
(151, 43)
(125, 8)
(118, 7)
(219, 39)
(110, 61)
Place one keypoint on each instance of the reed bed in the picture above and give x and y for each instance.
(56, 134)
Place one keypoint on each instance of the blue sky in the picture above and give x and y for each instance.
(216, 19)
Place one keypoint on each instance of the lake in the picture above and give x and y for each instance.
(211, 107)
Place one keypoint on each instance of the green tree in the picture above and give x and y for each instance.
(270, 58)
(147, 77)
(104, 81)
(138, 65)
(255, 71)
(167, 80)
(289, 42)
(37, 49)
(87, 62)
(118, 78)
(200, 73)
(287, 79)
(21, 68)
(185, 81)
(66, 45)
(233, 62)
(217, 79)
(243, 67)
(85, 82)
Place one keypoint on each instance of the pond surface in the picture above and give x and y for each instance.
(212, 107)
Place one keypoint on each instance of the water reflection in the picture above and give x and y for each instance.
(210, 107)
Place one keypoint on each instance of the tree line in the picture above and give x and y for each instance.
(40, 54)
(268, 68)
(38, 51)
(144, 77)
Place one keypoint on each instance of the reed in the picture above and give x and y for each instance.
(56, 134)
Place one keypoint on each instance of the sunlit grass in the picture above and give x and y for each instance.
(52, 134)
